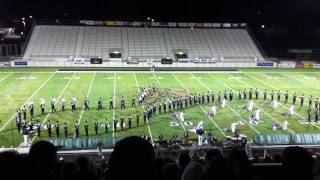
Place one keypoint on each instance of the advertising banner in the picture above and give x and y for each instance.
(265, 64)
(20, 63)
(299, 65)
(287, 65)
(78, 61)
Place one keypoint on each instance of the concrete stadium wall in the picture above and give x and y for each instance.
(123, 64)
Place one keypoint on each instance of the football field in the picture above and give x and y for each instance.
(19, 86)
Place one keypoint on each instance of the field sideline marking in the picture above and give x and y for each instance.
(87, 96)
(2, 79)
(281, 103)
(262, 109)
(234, 112)
(114, 106)
(135, 76)
(34, 93)
(49, 113)
(167, 98)
(217, 126)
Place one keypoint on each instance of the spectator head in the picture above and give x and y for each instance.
(240, 164)
(10, 161)
(219, 169)
(192, 172)
(297, 163)
(212, 154)
(170, 171)
(43, 155)
(132, 158)
(184, 160)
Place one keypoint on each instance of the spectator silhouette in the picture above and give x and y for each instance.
(170, 171)
(297, 163)
(212, 154)
(184, 160)
(85, 169)
(218, 169)
(240, 164)
(43, 156)
(132, 158)
(10, 161)
(69, 171)
(192, 172)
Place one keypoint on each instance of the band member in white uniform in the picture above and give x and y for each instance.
(251, 105)
(275, 104)
(214, 110)
(200, 132)
(291, 110)
(181, 116)
(233, 127)
(285, 125)
(257, 114)
(224, 103)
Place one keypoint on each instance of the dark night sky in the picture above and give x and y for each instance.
(277, 11)
(289, 23)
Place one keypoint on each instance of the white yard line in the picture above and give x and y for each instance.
(34, 93)
(281, 103)
(167, 99)
(114, 106)
(87, 96)
(2, 79)
(208, 88)
(60, 95)
(135, 76)
(256, 105)
(217, 126)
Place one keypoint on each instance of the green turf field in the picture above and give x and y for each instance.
(19, 86)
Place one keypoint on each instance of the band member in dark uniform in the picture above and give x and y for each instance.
(250, 94)
(294, 98)
(24, 112)
(137, 118)
(86, 128)
(106, 126)
(57, 126)
(265, 95)
(49, 129)
(121, 121)
(231, 95)
(278, 96)
(96, 126)
(65, 129)
(86, 104)
(286, 97)
(115, 122)
(111, 104)
(76, 127)
(257, 93)
(129, 121)
(301, 100)
(100, 103)
(133, 102)
(122, 103)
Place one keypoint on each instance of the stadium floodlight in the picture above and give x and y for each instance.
(191, 27)
(149, 18)
(152, 20)
(23, 19)
(180, 53)
(21, 33)
(263, 26)
(30, 17)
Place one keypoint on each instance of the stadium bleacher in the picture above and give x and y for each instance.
(49, 42)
